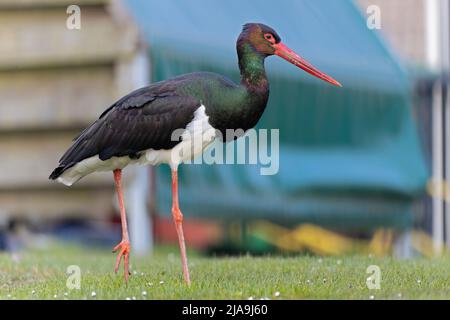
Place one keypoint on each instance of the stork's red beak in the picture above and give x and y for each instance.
(284, 52)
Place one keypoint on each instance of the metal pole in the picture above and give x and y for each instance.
(446, 194)
(445, 66)
(434, 36)
(437, 163)
(432, 33)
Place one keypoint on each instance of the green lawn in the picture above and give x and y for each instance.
(42, 275)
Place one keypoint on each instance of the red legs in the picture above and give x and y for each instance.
(178, 219)
(124, 245)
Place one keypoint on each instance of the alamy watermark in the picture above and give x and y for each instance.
(73, 277)
(255, 147)
(373, 282)
(373, 17)
(73, 21)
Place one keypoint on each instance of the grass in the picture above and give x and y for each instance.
(41, 274)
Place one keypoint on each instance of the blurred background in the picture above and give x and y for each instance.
(362, 170)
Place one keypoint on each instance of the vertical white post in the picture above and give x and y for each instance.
(437, 170)
(432, 33)
(445, 61)
(445, 186)
(444, 32)
(434, 23)
(140, 224)
(133, 73)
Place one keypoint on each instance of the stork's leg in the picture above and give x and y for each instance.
(124, 246)
(178, 219)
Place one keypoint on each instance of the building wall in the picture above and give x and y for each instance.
(53, 83)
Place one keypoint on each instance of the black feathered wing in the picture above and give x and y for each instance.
(144, 119)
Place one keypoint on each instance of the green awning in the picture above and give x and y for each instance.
(348, 156)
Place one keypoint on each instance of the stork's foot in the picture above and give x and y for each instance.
(124, 251)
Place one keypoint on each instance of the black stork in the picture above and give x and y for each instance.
(138, 127)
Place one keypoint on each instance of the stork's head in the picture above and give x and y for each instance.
(266, 41)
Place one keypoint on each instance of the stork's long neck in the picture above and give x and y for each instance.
(253, 73)
(245, 111)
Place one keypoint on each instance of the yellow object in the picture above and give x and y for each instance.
(320, 240)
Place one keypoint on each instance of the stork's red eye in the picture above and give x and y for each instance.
(269, 37)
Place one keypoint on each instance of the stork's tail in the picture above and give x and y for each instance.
(66, 174)
(57, 172)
